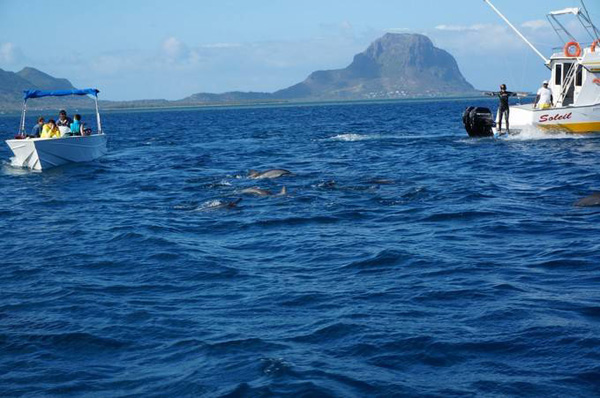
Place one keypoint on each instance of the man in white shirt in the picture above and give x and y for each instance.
(544, 99)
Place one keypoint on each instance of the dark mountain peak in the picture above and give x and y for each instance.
(397, 45)
(44, 81)
(31, 70)
(389, 41)
(13, 84)
(397, 65)
(394, 52)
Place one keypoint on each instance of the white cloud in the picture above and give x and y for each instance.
(221, 45)
(116, 63)
(346, 29)
(536, 24)
(7, 51)
(463, 28)
(398, 30)
(476, 40)
(343, 29)
(174, 49)
(10, 54)
(492, 53)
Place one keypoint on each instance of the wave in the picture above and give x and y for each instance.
(294, 221)
(404, 259)
(69, 341)
(329, 333)
(352, 137)
(532, 133)
(381, 261)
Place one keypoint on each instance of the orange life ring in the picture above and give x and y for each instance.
(594, 44)
(568, 52)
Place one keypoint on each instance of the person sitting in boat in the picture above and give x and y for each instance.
(63, 119)
(544, 99)
(63, 122)
(36, 131)
(77, 126)
(50, 130)
(503, 108)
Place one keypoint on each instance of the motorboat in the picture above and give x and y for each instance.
(574, 83)
(45, 153)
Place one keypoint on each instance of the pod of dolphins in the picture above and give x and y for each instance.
(256, 191)
(589, 201)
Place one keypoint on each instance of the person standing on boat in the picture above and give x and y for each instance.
(544, 99)
(503, 108)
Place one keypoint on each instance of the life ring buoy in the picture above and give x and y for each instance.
(577, 48)
(594, 44)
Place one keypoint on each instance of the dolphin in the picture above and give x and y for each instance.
(272, 173)
(382, 181)
(219, 204)
(590, 201)
(263, 192)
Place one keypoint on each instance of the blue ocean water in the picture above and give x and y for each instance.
(406, 260)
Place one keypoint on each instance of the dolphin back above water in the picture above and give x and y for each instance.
(590, 201)
(220, 204)
(272, 173)
(263, 192)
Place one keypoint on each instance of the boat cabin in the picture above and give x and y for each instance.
(575, 79)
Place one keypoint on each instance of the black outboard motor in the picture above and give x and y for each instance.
(478, 122)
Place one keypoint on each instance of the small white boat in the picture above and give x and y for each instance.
(574, 82)
(45, 153)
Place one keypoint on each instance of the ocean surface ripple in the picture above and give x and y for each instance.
(406, 260)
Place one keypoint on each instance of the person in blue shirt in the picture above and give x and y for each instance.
(76, 127)
(37, 129)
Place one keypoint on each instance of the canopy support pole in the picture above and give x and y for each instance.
(546, 61)
(98, 116)
(22, 127)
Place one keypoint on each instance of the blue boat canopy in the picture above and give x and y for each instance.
(58, 93)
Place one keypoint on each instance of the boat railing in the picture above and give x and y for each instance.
(581, 15)
(584, 45)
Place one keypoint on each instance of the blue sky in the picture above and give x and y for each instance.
(133, 49)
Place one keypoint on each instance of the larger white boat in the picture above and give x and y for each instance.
(45, 153)
(574, 82)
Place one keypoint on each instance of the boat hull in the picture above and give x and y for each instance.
(572, 119)
(45, 153)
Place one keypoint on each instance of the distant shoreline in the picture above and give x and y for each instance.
(255, 105)
(283, 104)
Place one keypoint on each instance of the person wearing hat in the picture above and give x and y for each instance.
(544, 99)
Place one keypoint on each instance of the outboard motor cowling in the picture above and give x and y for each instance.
(478, 122)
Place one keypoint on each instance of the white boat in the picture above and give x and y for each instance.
(45, 153)
(574, 82)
